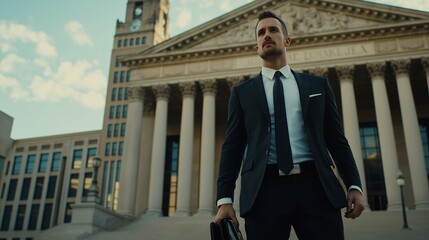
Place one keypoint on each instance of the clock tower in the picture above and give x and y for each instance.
(146, 24)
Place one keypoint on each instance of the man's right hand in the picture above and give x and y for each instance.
(226, 211)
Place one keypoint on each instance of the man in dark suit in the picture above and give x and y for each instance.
(289, 125)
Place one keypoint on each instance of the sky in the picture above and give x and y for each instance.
(55, 57)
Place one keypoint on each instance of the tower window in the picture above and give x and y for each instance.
(119, 43)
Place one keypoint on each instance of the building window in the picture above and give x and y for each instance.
(137, 41)
(126, 94)
(103, 184)
(7, 214)
(12, 189)
(16, 165)
(92, 152)
(115, 77)
(120, 90)
(118, 111)
(38, 188)
(30, 163)
(47, 214)
(128, 75)
(43, 162)
(87, 184)
(125, 111)
(114, 145)
(110, 186)
(374, 176)
(143, 40)
(1, 164)
(170, 176)
(122, 76)
(117, 185)
(123, 125)
(77, 159)
(2, 190)
(117, 62)
(121, 148)
(56, 162)
(125, 42)
(7, 168)
(51, 187)
(19, 222)
(115, 133)
(131, 41)
(69, 213)
(74, 180)
(109, 130)
(113, 98)
(424, 131)
(25, 188)
(34, 214)
(107, 150)
(119, 43)
(112, 112)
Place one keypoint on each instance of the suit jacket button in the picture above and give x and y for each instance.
(269, 129)
(266, 152)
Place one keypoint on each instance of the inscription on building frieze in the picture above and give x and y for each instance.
(331, 53)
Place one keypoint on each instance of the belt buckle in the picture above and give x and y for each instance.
(295, 170)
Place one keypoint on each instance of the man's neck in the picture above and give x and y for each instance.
(275, 64)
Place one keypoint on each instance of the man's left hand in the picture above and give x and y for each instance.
(354, 204)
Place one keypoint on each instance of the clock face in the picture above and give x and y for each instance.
(138, 11)
(135, 25)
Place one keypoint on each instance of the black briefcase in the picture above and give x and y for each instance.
(225, 230)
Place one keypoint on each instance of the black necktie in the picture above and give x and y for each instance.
(284, 152)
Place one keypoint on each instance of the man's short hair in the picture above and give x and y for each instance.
(269, 14)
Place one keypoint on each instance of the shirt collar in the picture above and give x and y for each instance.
(269, 73)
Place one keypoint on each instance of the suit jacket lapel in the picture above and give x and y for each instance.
(303, 92)
(259, 89)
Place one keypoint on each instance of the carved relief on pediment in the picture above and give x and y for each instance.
(299, 20)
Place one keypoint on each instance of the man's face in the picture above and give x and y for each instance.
(271, 42)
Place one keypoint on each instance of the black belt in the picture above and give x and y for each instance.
(299, 168)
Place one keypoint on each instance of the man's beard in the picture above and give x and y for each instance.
(271, 54)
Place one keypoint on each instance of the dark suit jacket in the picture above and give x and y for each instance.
(249, 125)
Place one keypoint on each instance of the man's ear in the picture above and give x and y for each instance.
(287, 41)
(256, 47)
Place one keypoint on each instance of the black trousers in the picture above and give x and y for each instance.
(297, 201)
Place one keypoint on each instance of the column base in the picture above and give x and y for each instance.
(153, 213)
(422, 205)
(205, 212)
(182, 213)
(125, 212)
(394, 207)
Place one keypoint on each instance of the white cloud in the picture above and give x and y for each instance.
(205, 3)
(8, 63)
(13, 87)
(14, 32)
(185, 17)
(81, 82)
(5, 47)
(77, 33)
(225, 5)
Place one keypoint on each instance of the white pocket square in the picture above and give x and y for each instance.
(314, 95)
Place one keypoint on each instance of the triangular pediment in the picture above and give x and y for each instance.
(303, 18)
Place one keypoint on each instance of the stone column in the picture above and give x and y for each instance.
(425, 63)
(209, 88)
(127, 191)
(351, 120)
(158, 150)
(386, 134)
(413, 140)
(233, 81)
(186, 150)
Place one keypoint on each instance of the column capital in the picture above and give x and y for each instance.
(234, 81)
(376, 69)
(209, 86)
(401, 66)
(345, 72)
(136, 94)
(161, 91)
(321, 72)
(187, 88)
(425, 63)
